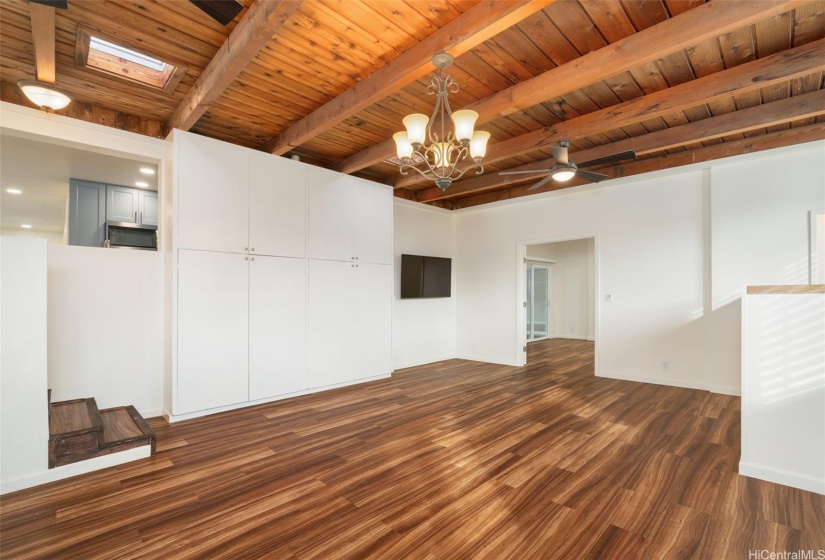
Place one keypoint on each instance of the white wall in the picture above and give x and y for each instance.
(783, 389)
(573, 312)
(653, 255)
(24, 429)
(106, 326)
(760, 236)
(423, 329)
(52, 237)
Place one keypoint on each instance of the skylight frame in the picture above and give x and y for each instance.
(121, 60)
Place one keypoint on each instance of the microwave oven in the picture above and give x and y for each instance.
(125, 235)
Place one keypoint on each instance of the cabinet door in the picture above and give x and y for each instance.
(277, 206)
(330, 215)
(213, 303)
(122, 204)
(329, 316)
(371, 321)
(372, 223)
(277, 326)
(87, 213)
(148, 208)
(213, 195)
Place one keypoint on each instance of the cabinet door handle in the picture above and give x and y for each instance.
(253, 249)
(246, 248)
(252, 259)
(136, 217)
(141, 217)
(246, 258)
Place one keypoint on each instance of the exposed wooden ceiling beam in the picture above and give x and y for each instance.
(801, 135)
(687, 29)
(251, 35)
(773, 69)
(473, 27)
(761, 116)
(42, 18)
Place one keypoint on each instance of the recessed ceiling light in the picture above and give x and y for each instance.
(14, 191)
(147, 170)
(141, 184)
(26, 226)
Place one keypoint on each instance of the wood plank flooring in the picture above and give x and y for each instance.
(453, 460)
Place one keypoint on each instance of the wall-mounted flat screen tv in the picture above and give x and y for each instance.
(425, 277)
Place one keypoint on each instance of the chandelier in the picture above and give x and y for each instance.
(436, 154)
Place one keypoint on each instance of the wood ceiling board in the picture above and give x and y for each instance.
(808, 22)
(703, 23)
(772, 69)
(465, 31)
(609, 18)
(256, 28)
(569, 16)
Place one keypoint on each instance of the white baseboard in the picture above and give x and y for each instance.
(75, 469)
(486, 359)
(429, 360)
(722, 390)
(171, 418)
(780, 476)
(151, 413)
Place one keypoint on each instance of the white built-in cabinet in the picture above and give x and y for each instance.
(349, 219)
(283, 277)
(350, 321)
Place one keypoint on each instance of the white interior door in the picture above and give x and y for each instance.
(213, 336)
(277, 326)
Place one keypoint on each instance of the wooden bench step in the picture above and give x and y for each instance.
(79, 431)
(124, 428)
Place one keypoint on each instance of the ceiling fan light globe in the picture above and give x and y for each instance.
(562, 175)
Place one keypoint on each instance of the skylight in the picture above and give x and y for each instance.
(128, 55)
(103, 54)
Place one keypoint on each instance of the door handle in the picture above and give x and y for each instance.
(141, 217)
(136, 217)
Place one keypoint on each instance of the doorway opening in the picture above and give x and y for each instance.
(557, 293)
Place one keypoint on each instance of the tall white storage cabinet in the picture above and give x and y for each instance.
(349, 244)
(282, 278)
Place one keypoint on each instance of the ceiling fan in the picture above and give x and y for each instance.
(222, 11)
(564, 169)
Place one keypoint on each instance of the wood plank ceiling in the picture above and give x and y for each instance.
(337, 76)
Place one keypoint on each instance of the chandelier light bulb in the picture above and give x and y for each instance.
(441, 154)
(478, 144)
(416, 125)
(464, 121)
(403, 147)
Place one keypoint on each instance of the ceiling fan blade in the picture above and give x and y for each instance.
(590, 176)
(222, 11)
(533, 172)
(59, 4)
(560, 154)
(629, 154)
(540, 183)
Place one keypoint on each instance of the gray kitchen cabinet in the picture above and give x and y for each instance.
(148, 208)
(87, 213)
(133, 206)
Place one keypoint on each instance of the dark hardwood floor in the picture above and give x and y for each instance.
(453, 460)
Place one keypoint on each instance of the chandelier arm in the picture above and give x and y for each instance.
(423, 173)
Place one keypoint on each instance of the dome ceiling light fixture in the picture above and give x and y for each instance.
(435, 155)
(47, 96)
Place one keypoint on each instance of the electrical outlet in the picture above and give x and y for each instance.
(665, 366)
